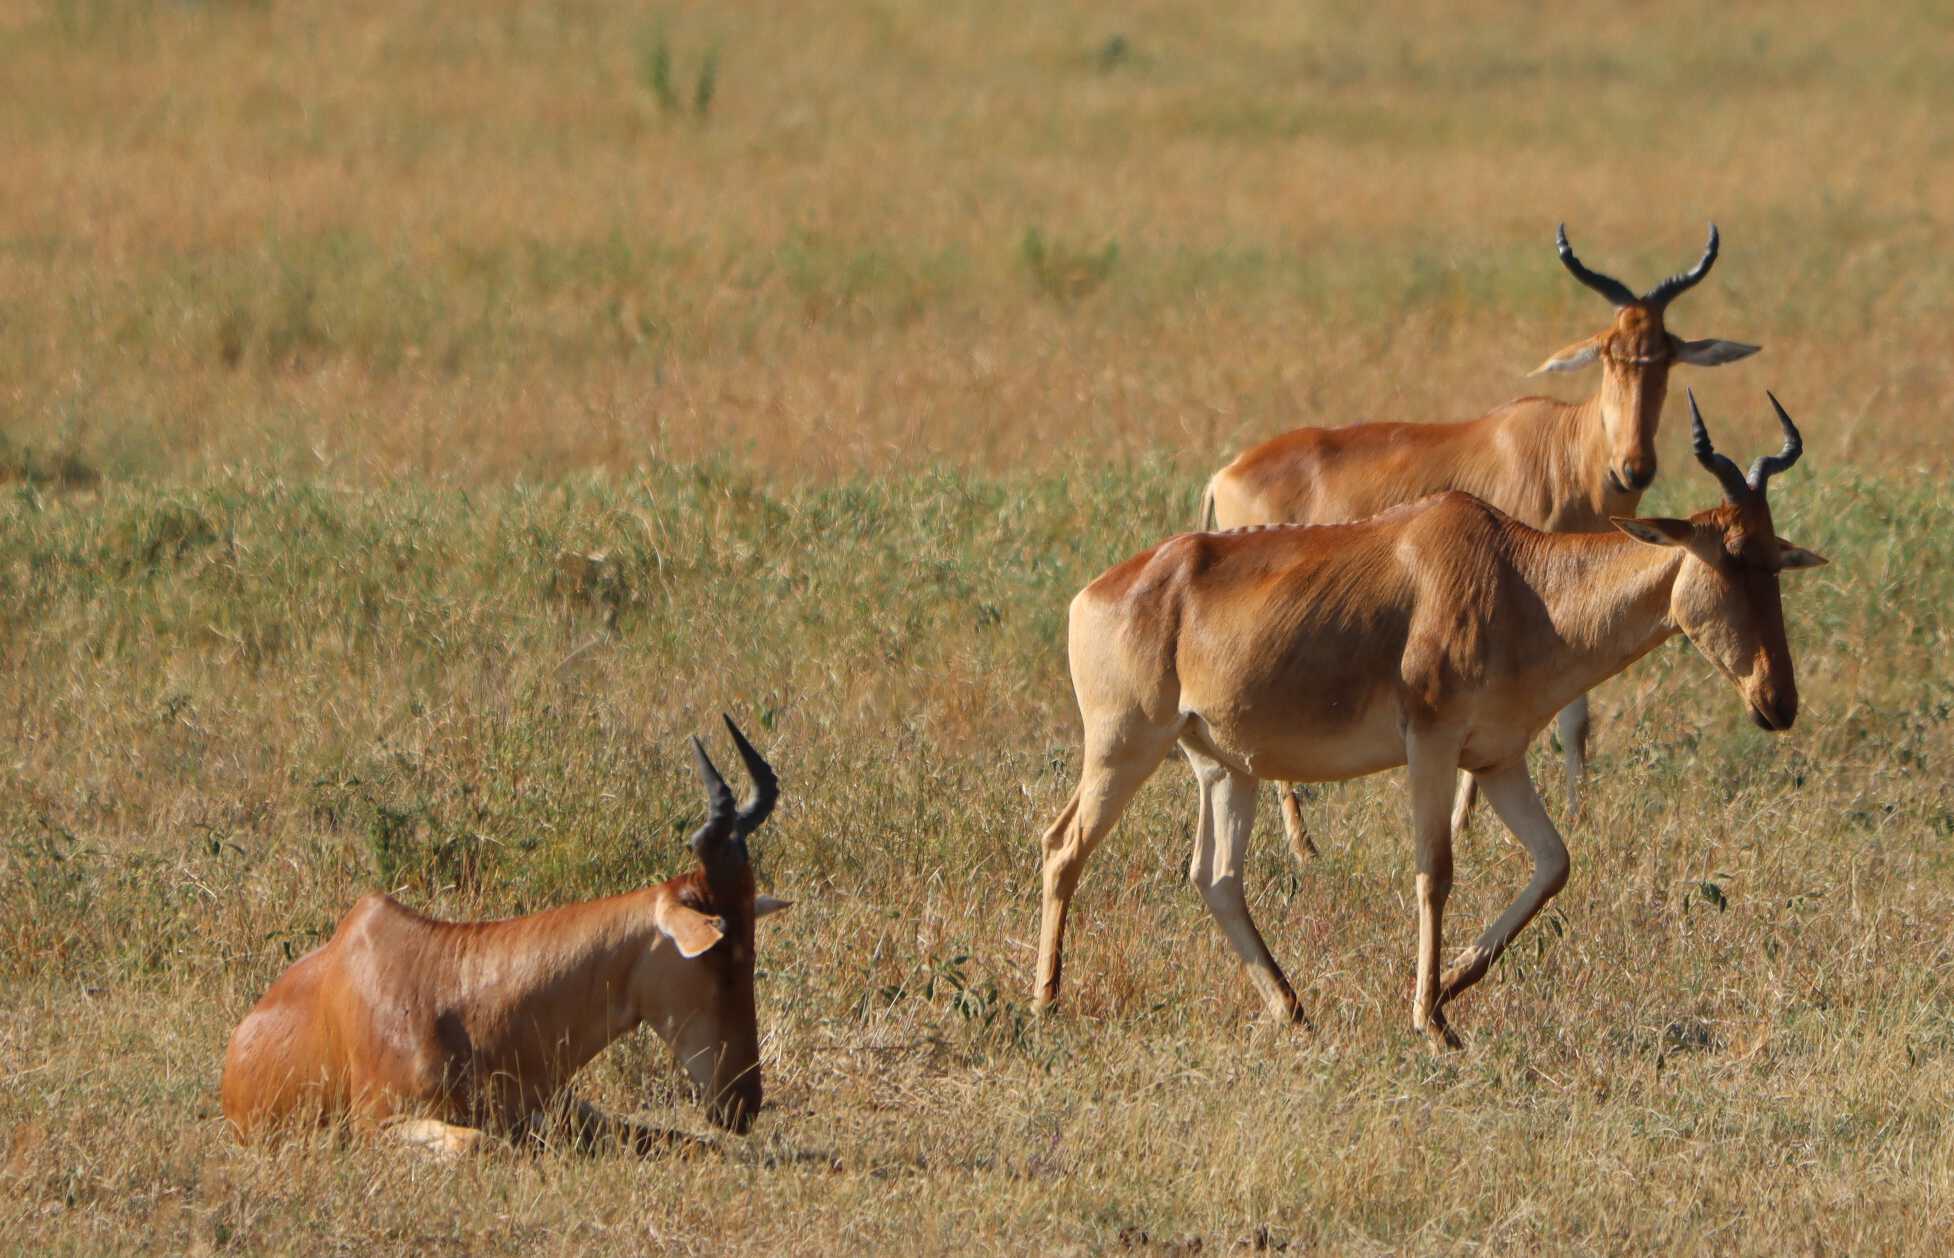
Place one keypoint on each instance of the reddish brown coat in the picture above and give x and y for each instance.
(1441, 635)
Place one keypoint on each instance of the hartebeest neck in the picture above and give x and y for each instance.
(1593, 492)
(1607, 597)
(562, 984)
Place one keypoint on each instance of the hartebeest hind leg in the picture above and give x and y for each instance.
(1222, 833)
(1113, 771)
(1512, 796)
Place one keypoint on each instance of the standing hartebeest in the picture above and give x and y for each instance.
(1564, 467)
(1441, 635)
(478, 1025)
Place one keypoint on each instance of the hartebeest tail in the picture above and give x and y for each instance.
(472, 1025)
(1563, 467)
(1440, 635)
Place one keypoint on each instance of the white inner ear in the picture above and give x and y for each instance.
(1711, 353)
(765, 904)
(1792, 557)
(1568, 360)
(693, 932)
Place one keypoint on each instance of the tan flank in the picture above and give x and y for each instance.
(1440, 635)
(441, 1030)
(1561, 466)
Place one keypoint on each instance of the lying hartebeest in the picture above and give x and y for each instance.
(1440, 635)
(1564, 467)
(457, 1027)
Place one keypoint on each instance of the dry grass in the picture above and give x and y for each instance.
(356, 244)
(329, 332)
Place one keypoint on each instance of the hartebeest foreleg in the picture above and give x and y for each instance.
(586, 1126)
(431, 1135)
(1431, 762)
(1291, 795)
(1222, 831)
(1570, 725)
(1511, 793)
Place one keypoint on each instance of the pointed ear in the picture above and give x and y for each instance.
(1572, 358)
(690, 929)
(1655, 530)
(1792, 557)
(765, 904)
(1711, 353)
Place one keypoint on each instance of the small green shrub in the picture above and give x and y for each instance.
(1064, 271)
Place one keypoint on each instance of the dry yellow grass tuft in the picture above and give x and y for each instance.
(414, 423)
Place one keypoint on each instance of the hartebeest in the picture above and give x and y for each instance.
(457, 1027)
(1560, 466)
(1441, 635)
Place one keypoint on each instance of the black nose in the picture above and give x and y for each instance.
(1776, 715)
(735, 1111)
(1636, 476)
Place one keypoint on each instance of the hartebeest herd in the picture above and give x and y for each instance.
(1359, 598)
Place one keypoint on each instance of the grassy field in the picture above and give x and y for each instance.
(415, 422)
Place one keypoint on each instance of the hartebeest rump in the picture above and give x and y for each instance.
(1440, 635)
(466, 1026)
(1567, 467)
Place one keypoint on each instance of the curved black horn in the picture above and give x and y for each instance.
(1735, 487)
(720, 818)
(1608, 286)
(766, 787)
(1676, 285)
(1769, 465)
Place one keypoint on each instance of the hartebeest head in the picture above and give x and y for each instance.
(1725, 600)
(1635, 356)
(698, 994)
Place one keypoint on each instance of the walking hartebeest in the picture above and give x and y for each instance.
(1564, 467)
(1441, 635)
(480, 1024)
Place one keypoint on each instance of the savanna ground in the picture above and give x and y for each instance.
(415, 421)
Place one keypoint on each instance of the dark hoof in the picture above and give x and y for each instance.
(1441, 1036)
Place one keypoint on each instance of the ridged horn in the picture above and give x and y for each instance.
(720, 816)
(1607, 285)
(1735, 487)
(766, 787)
(1676, 285)
(1769, 465)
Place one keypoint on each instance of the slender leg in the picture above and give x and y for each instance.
(1432, 761)
(1572, 725)
(1220, 850)
(591, 1129)
(1114, 769)
(1462, 803)
(1292, 821)
(443, 1140)
(1511, 793)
